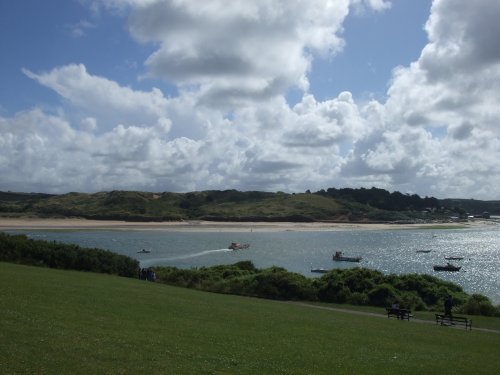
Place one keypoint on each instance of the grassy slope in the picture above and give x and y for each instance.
(56, 321)
(173, 206)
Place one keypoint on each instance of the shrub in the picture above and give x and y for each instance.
(383, 295)
(357, 298)
(478, 304)
(412, 301)
(278, 283)
(20, 249)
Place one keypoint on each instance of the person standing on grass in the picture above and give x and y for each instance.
(448, 304)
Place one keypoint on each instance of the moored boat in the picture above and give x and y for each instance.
(423, 251)
(319, 270)
(238, 246)
(454, 258)
(448, 267)
(340, 258)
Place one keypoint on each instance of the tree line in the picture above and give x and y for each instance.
(356, 286)
(23, 250)
(383, 199)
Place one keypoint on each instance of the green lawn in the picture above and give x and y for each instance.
(477, 321)
(54, 321)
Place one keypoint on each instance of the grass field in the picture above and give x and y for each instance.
(54, 321)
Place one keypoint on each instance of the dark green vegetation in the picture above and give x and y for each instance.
(355, 286)
(365, 205)
(20, 249)
(55, 321)
(473, 206)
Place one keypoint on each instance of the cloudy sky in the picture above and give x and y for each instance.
(271, 95)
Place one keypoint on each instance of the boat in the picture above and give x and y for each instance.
(424, 251)
(238, 246)
(340, 258)
(144, 251)
(448, 267)
(454, 258)
(319, 270)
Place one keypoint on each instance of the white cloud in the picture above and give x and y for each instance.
(105, 100)
(377, 5)
(454, 85)
(238, 51)
(231, 127)
(79, 29)
(266, 147)
(41, 150)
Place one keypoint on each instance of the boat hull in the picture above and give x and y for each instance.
(347, 259)
(446, 268)
(319, 270)
(238, 246)
(339, 257)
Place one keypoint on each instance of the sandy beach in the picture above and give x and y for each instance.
(210, 226)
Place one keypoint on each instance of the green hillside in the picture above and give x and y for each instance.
(228, 205)
(347, 205)
(56, 321)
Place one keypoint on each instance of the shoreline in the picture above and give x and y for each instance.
(213, 226)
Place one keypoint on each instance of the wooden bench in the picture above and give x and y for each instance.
(447, 320)
(398, 313)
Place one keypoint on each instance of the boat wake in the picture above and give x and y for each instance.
(200, 254)
(186, 256)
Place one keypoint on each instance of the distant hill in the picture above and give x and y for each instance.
(473, 206)
(14, 197)
(346, 205)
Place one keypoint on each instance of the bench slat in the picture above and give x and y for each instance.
(454, 320)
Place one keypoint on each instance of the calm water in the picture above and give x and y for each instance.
(389, 251)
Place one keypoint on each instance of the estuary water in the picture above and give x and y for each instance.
(389, 251)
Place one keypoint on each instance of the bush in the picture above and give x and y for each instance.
(478, 304)
(357, 298)
(383, 295)
(278, 283)
(20, 249)
(412, 301)
(329, 287)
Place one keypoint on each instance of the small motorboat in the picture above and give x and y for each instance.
(454, 258)
(424, 251)
(340, 258)
(238, 246)
(448, 267)
(144, 251)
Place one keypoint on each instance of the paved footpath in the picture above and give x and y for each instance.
(376, 315)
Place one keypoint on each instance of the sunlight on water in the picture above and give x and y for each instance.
(394, 251)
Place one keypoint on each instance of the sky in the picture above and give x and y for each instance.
(268, 95)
